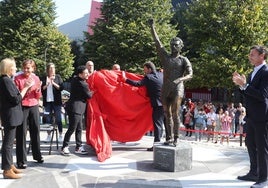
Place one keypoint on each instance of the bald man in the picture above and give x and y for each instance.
(90, 67)
(116, 67)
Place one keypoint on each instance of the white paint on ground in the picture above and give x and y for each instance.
(208, 180)
(6, 182)
(206, 154)
(62, 182)
(91, 166)
(236, 167)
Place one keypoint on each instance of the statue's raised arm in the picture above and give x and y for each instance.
(155, 36)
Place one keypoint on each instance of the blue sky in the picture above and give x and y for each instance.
(69, 10)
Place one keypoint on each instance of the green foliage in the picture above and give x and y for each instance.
(27, 31)
(58, 51)
(80, 58)
(219, 35)
(122, 34)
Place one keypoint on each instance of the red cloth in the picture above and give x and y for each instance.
(117, 111)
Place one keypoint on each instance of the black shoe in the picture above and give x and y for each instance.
(248, 177)
(22, 166)
(175, 142)
(41, 160)
(167, 142)
(150, 149)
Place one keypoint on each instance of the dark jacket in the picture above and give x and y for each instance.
(153, 82)
(56, 92)
(78, 98)
(10, 100)
(256, 96)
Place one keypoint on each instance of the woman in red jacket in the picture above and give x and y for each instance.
(31, 117)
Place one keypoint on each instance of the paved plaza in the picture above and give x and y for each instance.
(131, 166)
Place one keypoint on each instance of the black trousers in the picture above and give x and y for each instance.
(31, 117)
(75, 124)
(257, 145)
(158, 120)
(7, 147)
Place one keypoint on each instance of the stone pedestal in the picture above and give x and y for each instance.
(173, 159)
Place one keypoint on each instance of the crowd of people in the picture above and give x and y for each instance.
(216, 122)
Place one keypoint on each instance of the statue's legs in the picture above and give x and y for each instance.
(172, 108)
(176, 105)
(168, 121)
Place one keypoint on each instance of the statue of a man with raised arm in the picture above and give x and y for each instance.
(177, 69)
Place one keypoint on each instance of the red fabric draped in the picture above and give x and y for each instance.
(117, 111)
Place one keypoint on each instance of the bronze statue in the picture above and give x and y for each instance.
(177, 69)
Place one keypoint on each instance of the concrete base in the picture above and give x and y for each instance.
(173, 159)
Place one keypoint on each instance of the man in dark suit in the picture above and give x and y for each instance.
(255, 90)
(76, 107)
(153, 81)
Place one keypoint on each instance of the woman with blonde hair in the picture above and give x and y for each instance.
(11, 114)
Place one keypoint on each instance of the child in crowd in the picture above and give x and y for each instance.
(200, 124)
(217, 129)
(188, 122)
(226, 121)
(242, 121)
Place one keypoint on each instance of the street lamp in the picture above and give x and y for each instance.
(49, 44)
(46, 54)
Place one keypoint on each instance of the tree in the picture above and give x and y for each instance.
(219, 35)
(77, 50)
(122, 34)
(27, 31)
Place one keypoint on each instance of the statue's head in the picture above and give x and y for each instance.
(176, 44)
